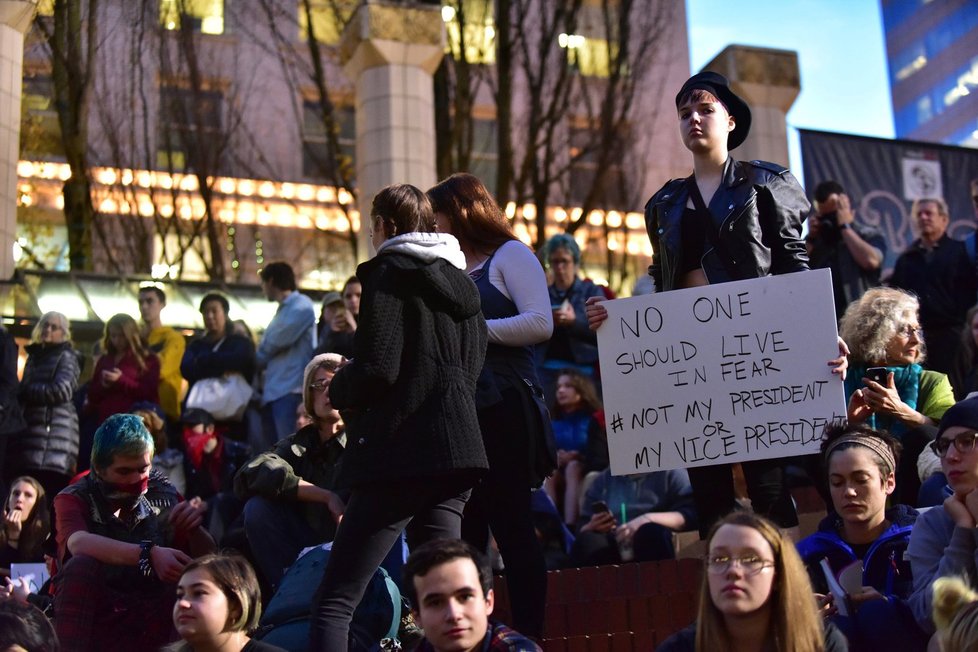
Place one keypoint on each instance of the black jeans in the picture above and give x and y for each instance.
(428, 508)
(713, 492)
(501, 503)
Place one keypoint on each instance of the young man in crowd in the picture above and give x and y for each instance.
(124, 537)
(449, 584)
(285, 348)
(167, 344)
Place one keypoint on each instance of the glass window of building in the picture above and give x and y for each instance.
(329, 17)
(190, 129)
(204, 16)
(318, 162)
(40, 133)
(485, 152)
(959, 24)
(584, 171)
(471, 29)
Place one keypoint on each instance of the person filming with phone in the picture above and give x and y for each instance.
(887, 389)
(852, 250)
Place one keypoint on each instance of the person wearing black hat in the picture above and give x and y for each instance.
(944, 540)
(728, 221)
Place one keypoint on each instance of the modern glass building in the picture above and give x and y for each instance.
(932, 51)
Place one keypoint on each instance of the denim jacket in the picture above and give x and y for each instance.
(287, 347)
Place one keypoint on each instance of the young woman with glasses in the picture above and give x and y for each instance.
(755, 595)
(860, 465)
(945, 539)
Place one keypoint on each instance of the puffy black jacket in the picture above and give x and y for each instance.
(50, 442)
(757, 211)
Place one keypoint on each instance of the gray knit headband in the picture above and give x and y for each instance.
(874, 444)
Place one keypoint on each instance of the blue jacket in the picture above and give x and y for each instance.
(287, 346)
(885, 566)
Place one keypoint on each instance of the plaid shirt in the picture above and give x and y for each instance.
(499, 638)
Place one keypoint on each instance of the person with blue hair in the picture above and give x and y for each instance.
(124, 536)
(573, 345)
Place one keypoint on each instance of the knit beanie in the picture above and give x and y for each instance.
(964, 413)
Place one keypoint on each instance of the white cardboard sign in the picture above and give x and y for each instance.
(722, 373)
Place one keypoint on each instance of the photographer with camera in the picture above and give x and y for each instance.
(853, 252)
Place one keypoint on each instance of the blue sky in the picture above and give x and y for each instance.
(841, 53)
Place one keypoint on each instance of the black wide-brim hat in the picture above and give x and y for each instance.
(719, 87)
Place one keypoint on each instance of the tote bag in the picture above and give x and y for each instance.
(225, 397)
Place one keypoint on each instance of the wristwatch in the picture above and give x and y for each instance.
(145, 563)
(845, 227)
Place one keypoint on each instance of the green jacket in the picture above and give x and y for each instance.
(275, 474)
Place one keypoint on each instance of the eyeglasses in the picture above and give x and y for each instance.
(963, 443)
(751, 564)
(911, 331)
(50, 326)
(319, 386)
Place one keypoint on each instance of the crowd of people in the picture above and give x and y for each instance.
(441, 417)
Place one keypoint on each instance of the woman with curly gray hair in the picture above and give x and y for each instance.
(887, 389)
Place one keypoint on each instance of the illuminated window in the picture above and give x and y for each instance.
(205, 16)
(329, 17)
(471, 29)
(189, 129)
(589, 56)
(317, 161)
(40, 133)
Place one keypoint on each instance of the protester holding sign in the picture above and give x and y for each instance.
(887, 388)
(860, 465)
(730, 220)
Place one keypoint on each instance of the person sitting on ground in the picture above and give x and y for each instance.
(449, 585)
(955, 614)
(907, 401)
(167, 344)
(127, 372)
(218, 605)
(26, 523)
(754, 595)
(24, 628)
(168, 461)
(582, 444)
(860, 464)
(290, 489)
(633, 517)
(943, 541)
(124, 536)
(211, 462)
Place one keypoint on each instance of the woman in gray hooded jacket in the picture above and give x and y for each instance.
(48, 449)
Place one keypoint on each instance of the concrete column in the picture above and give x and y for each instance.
(15, 20)
(769, 81)
(390, 51)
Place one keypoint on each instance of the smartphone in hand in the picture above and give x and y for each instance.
(878, 374)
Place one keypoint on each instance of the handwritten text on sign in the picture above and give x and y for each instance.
(723, 373)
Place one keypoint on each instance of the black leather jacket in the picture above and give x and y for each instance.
(758, 212)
